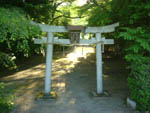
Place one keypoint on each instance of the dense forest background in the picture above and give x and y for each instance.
(17, 32)
(132, 38)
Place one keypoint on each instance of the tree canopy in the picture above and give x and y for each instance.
(132, 38)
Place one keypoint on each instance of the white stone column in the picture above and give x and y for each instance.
(49, 56)
(99, 64)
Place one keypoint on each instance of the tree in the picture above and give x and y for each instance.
(132, 37)
(16, 37)
(48, 12)
(51, 12)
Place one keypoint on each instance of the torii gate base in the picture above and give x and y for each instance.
(50, 40)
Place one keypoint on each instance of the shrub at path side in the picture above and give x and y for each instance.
(132, 39)
(16, 37)
(139, 85)
(6, 104)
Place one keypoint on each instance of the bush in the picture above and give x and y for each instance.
(137, 43)
(6, 104)
(16, 36)
(7, 61)
(139, 85)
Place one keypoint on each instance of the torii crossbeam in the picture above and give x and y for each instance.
(50, 40)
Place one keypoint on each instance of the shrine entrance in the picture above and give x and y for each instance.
(75, 40)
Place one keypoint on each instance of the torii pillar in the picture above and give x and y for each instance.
(50, 40)
(99, 64)
(49, 57)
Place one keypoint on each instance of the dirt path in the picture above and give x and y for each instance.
(73, 80)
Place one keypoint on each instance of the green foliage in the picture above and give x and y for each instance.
(48, 12)
(6, 105)
(97, 13)
(137, 31)
(43, 11)
(7, 61)
(16, 36)
(11, 2)
(132, 38)
(139, 85)
(138, 43)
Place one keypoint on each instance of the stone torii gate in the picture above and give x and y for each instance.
(50, 40)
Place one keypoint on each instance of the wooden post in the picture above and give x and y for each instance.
(49, 56)
(82, 51)
(63, 51)
(99, 64)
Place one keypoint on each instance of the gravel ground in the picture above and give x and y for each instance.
(73, 80)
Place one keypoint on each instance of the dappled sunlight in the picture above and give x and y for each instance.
(65, 65)
(69, 66)
(27, 87)
(72, 101)
(59, 53)
(72, 80)
(59, 60)
(36, 71)
(57, 73)
(59, 86)
(33, 85)
(72, 57)
(106, 76)
(62, 68)
(80, 52)
(25, 94)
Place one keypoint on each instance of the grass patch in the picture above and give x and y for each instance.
(6, 99)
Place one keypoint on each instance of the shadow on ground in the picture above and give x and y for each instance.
(73, 80)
